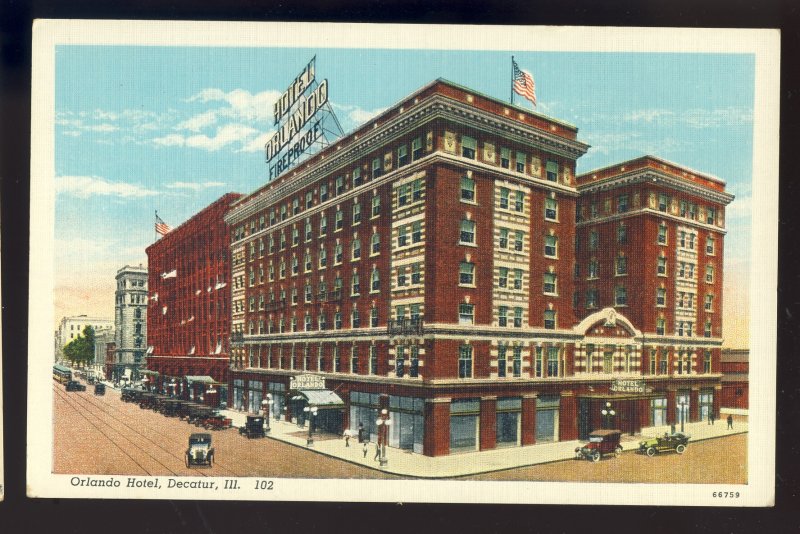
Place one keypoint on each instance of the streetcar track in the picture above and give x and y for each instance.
(64, 395)
(115, 416)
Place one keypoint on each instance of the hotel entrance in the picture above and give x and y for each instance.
(309, 399)
(628, 413)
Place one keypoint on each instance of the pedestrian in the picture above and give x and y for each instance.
(377, 451)
(347, 434)
(365, 448)
(361, 432)
(730, 422)
(712, 418)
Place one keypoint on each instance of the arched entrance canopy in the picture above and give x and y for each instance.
(607, 317)
(321, 398)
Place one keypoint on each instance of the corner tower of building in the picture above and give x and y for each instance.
(130, 321)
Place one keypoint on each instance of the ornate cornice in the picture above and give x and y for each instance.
(657, 177)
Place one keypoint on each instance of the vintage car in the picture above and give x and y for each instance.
(198, 413)
(216, 422)
(601, 443)
(99, 389)
(74, 385)
(253, 427)
(171, 407)
(200, 451)
(668, 442)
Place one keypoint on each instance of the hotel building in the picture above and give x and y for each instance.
(426, 264)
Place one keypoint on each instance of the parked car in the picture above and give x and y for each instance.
(200, 451)
(74, 385)
(601, 443)
(668, 442)
(99, 389)
(216, 422)
(253, 427)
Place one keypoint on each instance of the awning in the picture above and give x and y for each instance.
(148, 372)
(203, 379)
(321, 398)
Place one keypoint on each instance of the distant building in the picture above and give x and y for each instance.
(189, 317)
(110, 356)
(735, 378)
(130, 321)
(102, 338)
(71, 327)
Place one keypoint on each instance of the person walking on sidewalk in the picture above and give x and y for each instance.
(347, 435)
(365, 448)
(711, 418)
(730, 422)
(377, 451)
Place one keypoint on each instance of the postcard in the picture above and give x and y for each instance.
(403, 263)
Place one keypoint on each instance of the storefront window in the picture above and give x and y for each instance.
(547, 407)
(238, 394)
(254, 397)
(682, 406)
(508, 421)
(706, 403)
(658, 408)
(407, 428)
(278, 391)
(364, 410)
(464, 419)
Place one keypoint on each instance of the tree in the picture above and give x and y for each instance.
(81, 349)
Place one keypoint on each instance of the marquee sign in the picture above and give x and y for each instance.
(307, 381)
(628, 386)
(296, 107)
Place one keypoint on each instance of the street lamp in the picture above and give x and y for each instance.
(266, 405)
(683, 406)
(383, 434)
(608, 414)
(174, 387)
(311, 411)
(145, 380)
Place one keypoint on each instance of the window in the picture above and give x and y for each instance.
(403, 195)
(308, 293)
(356, 250)
(622, 234)
(467, 189)
(550, 319)
(271, 244)
(323, 291)
(709, 303)
(323, 225)
(373, 360)
(593, 210)
(402, 155)
(591, 298)
(520, 161)
(551, 246)
(661, 269)
(538, 362)
(399, 361)
(295, 206)
(517, 317)
(552, 171)
(503, 277)
(518, 279)
(505, 158)
(467, 232)
(295, 236)
(322, 321)
(375, 244)
(295, 265)
(466, 314)
(355, 318)
(376, 280)
(518, 240)
(356, 213)
(622, 203)
(663, 202)
(620, 296)
(416, 191)
(707, 329)
(466, 273)
(307, 262)
(550, 283)
(307, 322)
(710, 246)
(416, 148)
(337, 320)
(416, 232)
(594, 269)
(376, 206)
(504, 198)
(283, 213)
(502, 316)
(465, 361)
(308, 230)
(468, 146)
(337, 359)
(621, 265)
(416, 277)
(503, 238)
(709, 274)
(519, 201)
(401, 276)
(355, 285)
(711, 215)
(339, 221)
(357, 179)
(402, 236)
(517, 363)
(661, 296)
(552, 361)
(323, 257)
(501, 360)
(593, 240)
(661, 326)
(400, 312)
(551, 209)
(309, 199)
(377, 170)
(662, 234)
(682, 239)
(339, 185)
(323, 192)
(337, 256)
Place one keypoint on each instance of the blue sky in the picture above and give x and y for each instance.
(150, 128)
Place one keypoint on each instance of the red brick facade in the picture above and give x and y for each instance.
(464, 213)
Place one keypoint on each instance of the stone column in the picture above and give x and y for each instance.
(717, 400)
(488, 423)
(694, 403)
(528, 419)
(568, 417)
(437, 427)
(671, 407)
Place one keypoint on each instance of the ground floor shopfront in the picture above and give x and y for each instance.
(449, 418)
(195, 378)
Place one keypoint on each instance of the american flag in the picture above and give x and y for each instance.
(162, 228)
(523, 83)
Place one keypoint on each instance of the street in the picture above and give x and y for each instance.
(103, 435)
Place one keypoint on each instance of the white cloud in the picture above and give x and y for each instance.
(243, 105)
(694, 118)
(648, 115)
(104, 128)
(198, 122)
(87, 186)
(170, 140)
(257, 143)
(740, 208)
(194, 186)
(225, 135)
(358, 115)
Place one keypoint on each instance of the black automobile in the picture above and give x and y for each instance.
(99, 389)
(74, 385)
(200, 451)
(253, 427)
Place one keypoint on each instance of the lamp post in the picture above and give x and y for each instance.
(608, 414)
(173, 385)
(145, 380)
(266, 404)
(311, 411)
(383, 434)
(683, 406)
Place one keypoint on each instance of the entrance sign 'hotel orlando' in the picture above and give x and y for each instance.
(444, 281)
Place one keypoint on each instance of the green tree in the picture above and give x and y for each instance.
(80, 350)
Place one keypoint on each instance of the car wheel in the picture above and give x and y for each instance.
(651, 451)
(618, 450)
(680, 448)
(578, 455)
(596, 457)
(187, 459)
(210, 460)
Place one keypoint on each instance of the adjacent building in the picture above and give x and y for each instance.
(130, 322)
(71, 327)
(735, 365)
(102, 338)
(435, 263)
(189, 315)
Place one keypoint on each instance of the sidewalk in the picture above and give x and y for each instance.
(408, 464)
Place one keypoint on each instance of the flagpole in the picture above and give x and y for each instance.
(155, 233)
(512, 80)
